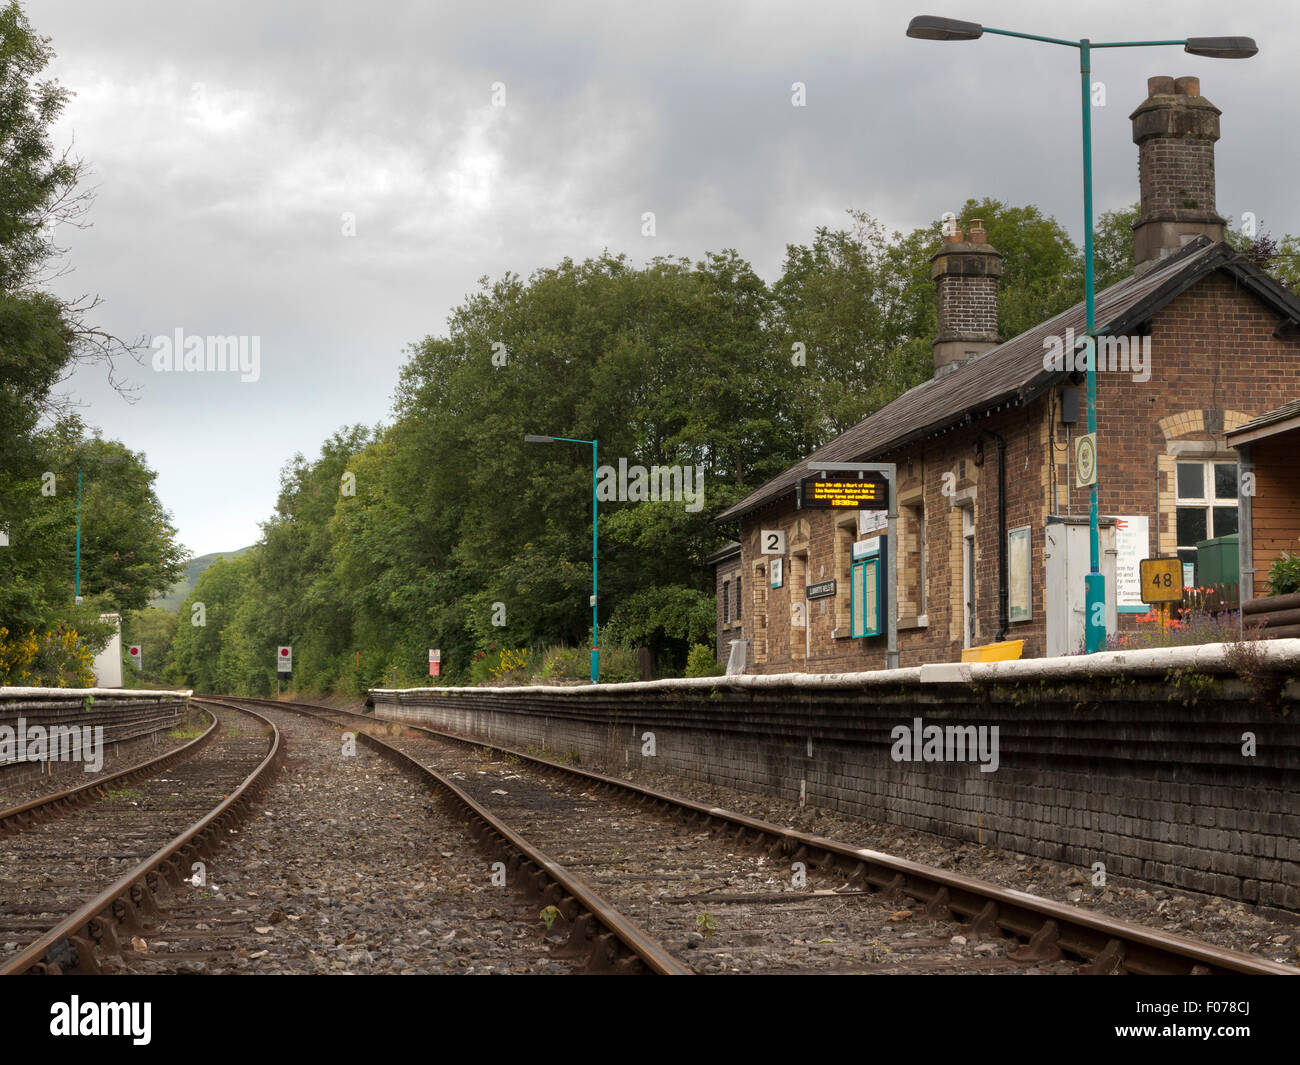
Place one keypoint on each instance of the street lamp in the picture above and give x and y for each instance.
(932, 28)
(530, 438)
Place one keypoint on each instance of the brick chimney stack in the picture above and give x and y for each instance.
(1175, 128)
(965, 272)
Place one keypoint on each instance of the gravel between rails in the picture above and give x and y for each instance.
(348, 867)
(49, 870)
(718, 907)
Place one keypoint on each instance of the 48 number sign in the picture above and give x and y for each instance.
(1162, 580)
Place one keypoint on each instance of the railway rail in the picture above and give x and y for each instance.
(135, 830)
(1041, 931)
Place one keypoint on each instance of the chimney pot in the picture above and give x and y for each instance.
(977, 234)
(1160, 86)
(1187, 86)
(955, 237)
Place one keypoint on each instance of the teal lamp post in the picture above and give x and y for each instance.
(930, 28)
(595, 641)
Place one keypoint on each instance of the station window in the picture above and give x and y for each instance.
(726, 603)
(1206, 503)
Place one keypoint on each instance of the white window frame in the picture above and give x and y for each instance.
(1208, 501)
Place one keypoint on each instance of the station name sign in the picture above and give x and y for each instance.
(820, 590)
(871, 492)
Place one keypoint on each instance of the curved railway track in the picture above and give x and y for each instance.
(133, 836)
(1038, 931)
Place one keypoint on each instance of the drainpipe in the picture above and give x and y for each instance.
(1004, 616)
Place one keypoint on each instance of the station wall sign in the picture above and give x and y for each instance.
(871, 492)
(819, 590)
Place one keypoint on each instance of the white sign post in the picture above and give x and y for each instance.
(284, 660)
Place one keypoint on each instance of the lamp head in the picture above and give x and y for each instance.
(933, 28)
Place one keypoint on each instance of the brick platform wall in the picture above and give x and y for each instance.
(131, 720)
(1106, 766)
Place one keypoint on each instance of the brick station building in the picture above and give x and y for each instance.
(993, 534)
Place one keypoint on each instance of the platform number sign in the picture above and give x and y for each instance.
(284, 660)
(137, 658)
(1162, 580)
(771, 542)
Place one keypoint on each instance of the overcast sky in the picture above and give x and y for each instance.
(229, 140)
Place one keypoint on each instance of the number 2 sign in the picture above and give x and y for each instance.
(771, 542)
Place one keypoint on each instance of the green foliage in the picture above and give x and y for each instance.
(128, 546)
(1284, 574)
(701, 663)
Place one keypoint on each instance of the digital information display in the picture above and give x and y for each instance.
(869, 493)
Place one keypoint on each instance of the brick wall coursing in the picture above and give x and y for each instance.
(967, 308)
(1151, 788)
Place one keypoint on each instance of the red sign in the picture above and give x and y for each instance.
(435, 662)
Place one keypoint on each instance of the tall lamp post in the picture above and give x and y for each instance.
(931, 28)
(595, 641)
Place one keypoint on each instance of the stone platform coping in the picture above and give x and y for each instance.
(1208, 658)
(134, 693)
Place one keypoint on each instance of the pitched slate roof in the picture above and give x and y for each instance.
(1012, 373)
(1273, 421)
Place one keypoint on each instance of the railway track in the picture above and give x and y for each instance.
(850, 895)
(83, 870)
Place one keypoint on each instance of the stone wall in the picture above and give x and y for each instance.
(129, 719)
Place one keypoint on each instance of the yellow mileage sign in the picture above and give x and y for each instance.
(870, 493)
(1162, 580)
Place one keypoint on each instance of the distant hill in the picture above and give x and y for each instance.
(175, 595)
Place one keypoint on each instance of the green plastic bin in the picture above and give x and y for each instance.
(1218, 561)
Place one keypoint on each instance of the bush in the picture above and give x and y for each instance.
(506, 666)
(701, 663)
(58, 659)
(1284, 575)
(565, 663)
(617, 665)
